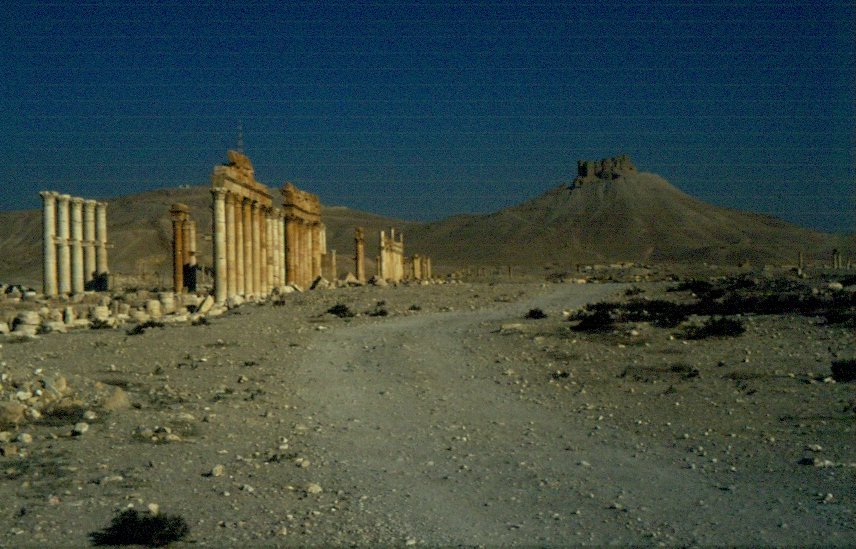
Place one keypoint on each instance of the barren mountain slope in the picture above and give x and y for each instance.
(635, 217)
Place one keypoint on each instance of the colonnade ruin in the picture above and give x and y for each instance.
(305, 236)
(248, 240)
(184, 261)
(75, 244)
(392, 264)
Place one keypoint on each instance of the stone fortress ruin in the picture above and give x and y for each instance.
(589, 171)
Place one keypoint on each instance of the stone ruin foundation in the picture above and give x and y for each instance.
(74, 245)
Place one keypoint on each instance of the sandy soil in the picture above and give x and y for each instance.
(452, 420)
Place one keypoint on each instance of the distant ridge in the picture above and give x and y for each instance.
(609, 212)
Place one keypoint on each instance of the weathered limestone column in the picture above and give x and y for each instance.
(417, 267)
(306, 262)
(101, 240)
(89, 262)
(334, 269)
(360, 254)
(276, 258)
(316, 251)
(64, 229)
(220, 274)
(280, 228)
(77, 283)
(178, 212)
(261, 213)
(49, 281)
(269, 247)
(291, 251)
(231, 255)
(240, 285)
(256, 249)
(249, 288)
(428, 274)
(190, 255)
(382, 259)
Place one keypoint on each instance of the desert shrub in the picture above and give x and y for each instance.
(596, 321)
(414, 307)
(143, 326)
(661, 313)
(131, 527)
(698, 287)
(201, 321)
(341, 310)
(535, 314)
(716, 327)
(844, 370)
(379, 311)
(633, 291)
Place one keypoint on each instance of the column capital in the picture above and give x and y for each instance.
(90, 203)
(76, 200)
(63, 197)
(218, 193)
(49, 195)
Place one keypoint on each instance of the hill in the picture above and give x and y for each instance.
(619, 215)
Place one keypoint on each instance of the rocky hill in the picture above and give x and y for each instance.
(612, 212)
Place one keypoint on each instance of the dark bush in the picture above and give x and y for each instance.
(99, 324)
(535, 314)
(716, 327)
(596, 321)
(844, 370)
(341, 310)
(133, 528)
(379, 311)
(142, 327)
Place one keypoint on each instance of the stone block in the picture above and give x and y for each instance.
(206, 305)
(30, 318)
(153, 308)
(69, 316)
(100, 312)
(4, 328)
(52, 326)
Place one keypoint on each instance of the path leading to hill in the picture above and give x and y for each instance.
(433, 447)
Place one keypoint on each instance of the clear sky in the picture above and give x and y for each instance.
(420, 110)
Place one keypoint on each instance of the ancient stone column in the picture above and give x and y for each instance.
(270, 243)
(64, 230)
(261, 213)
(360, 254)
(49, 281)
(190, 255)
(77, 282)
(240, 285)
(101, 241)
(334, 269)
(256, 250)
(381, 258)
(178, 212)
(90, 265)
(220, 274)
(276, 281)
(316, 251)
(249, 288)
(291, 241)
(280, 227)
(231, 255)
(417, 267)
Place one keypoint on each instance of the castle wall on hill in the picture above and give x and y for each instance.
(605, 169)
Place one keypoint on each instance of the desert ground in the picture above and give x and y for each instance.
(436, 415)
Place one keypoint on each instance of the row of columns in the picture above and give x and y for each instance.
(75, 244)
(390, 260)
(419, 267)
(248, 246)
(184, 258)
(305, 244)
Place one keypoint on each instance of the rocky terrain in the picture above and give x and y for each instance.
(464, 413)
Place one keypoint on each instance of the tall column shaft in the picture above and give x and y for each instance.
(49, 281)
(231, 255)
(178, 255)
(248, 247)
(90, 264)
(290, 230)
(315, 250)
(256, 250)
(280, 229)
(77, 282)
(263, 261)
(220, 273)
(240, 286)
(64, 230)
(270, 244)
(101, 238)
(360, 254)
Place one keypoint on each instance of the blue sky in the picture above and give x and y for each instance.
(420, 110)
